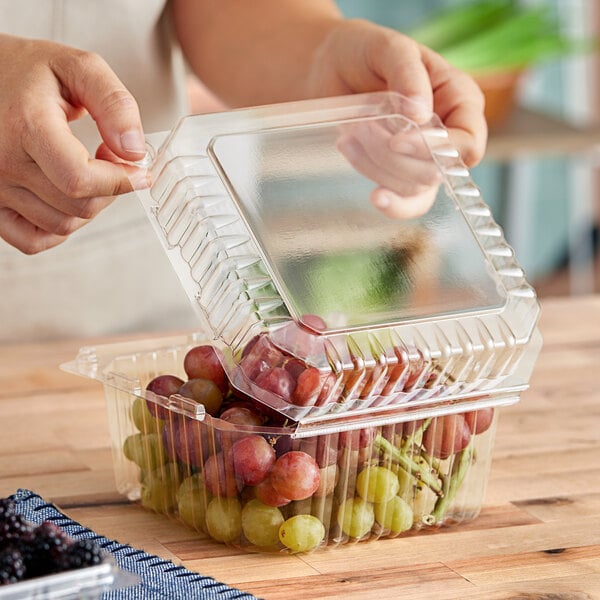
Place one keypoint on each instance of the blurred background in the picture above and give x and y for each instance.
(540, 174)
(539, 66)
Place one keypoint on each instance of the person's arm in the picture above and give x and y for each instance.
(267, 51)
(49, 185)
(253, 52)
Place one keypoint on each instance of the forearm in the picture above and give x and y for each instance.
(253, 52)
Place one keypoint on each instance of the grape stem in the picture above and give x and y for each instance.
(421, 472)
(416, 437)
(452, 484)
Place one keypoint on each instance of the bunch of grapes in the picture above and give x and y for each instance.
(240, 476)
(267, 370)
(28, 551)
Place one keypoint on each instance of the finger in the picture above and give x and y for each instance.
(401, 207)
(397, 60)
(399, 137)
(23, 235)
(373, 58)
(40, 186)
(412, 177)
(39, 214)
(470, 139)
(92, 83)
(411, 144)
(103, 152)
(66, 162)
(404, 157)
(459, 103)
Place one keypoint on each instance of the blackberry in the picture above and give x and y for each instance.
(12, 566)
(12, 528)
(7, 508)
(42, 548)
(28, 551)
(81, 553)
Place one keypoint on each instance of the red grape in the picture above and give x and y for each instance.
(240, 414)
(416, 366)
(202, 362)
(163, 385)
(295, 366)
(314, 321)
(396, 373)
(219, 476)
(372, 381)
(267, 494)
(253, 458)
(329, 393)
(169, 435)
(278, 381)
(479, 421)
(250, 345)
(263, 355)
(186, 441)
(357, 438)
(323, 448)
(308, 387)
(328, 479)
(446, 436)
(295, 475)
(203, 391)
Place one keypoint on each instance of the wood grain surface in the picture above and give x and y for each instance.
(537, 538)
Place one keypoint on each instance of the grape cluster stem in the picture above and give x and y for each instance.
(423, 472)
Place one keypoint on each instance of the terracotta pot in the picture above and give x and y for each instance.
(500, 91)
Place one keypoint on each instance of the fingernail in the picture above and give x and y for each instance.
(140, 179)
(133, 141)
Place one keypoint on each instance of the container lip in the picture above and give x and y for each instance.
(104, 371)
(111, 364)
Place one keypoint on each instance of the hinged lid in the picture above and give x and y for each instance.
(318, 302)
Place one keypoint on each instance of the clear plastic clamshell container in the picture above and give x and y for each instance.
(371, 351)
(266, 217)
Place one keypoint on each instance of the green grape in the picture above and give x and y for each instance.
(143, 419)
(260, 523)
(145, 450)
(224, 519)
(192, 500)
(407, 483)
(377, 484)
(301, 533)
(423, 503)
(356, 517)
(395, 515)
(159, 488)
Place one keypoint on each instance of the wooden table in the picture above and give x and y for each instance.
(538, 536)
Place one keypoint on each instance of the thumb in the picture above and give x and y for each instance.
(91, 83)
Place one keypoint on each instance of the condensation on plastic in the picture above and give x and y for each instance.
(266, 222)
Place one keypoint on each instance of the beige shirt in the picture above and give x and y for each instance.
(111, 276)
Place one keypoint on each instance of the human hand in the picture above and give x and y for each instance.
(49, 185)
(359, 56)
